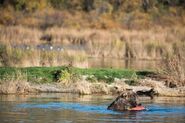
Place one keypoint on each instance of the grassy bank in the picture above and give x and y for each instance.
(57, 74)
(79, 81)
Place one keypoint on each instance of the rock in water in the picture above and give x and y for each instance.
(124, 102)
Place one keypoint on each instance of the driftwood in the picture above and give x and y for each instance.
(151, 93)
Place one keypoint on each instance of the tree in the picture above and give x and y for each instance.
(145, 5)
(88, 5)
(116, 3)
(2, 2)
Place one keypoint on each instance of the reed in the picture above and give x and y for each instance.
(153, 43)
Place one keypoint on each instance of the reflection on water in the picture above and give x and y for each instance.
(74, 108)
(116, 63)
(69, 106)
(123, 63)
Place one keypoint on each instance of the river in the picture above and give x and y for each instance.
(72, 108)
(124, 63)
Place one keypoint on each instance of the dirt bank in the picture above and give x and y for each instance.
(85, 87)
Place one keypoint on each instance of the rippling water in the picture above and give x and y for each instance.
(69, 108)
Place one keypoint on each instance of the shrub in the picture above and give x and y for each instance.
(66, 4)
(105, 8)
(59, 3)
(66, 75)
(7, 16)
(88, 5)
(174, 69)
(29, 5)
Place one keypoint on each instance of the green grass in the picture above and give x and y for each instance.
(47, 74)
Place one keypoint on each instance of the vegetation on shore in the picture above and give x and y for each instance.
(133, 29)
(104, 14)
(174, 70)
(172, 74)
(130, 29)
(63, 74)
(20, 46)
(81, 81)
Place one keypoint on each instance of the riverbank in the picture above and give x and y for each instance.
(86, 88)
(81, 81)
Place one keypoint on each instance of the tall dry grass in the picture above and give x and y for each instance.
(19, 35)
(153, 43)
(15, 83)
(32, 57)
(174, 66)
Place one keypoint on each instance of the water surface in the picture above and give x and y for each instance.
(70, 108)
(123, 63)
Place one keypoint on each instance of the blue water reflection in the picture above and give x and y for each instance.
(70, 106)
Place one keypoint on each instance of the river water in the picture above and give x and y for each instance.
(124, 63)
(71, 108)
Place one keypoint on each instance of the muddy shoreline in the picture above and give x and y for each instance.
(84, 87)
